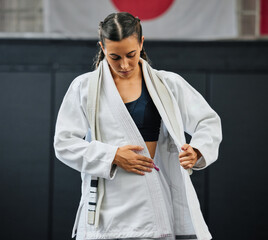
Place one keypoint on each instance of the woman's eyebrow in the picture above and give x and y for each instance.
(132, 51)
(113, 54)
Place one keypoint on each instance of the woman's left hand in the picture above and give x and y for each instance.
(189, 156)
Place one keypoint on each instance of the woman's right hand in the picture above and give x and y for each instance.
(131, 161)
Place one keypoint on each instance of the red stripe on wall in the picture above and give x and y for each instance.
(264, 17)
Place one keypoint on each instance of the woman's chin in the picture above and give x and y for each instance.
(125, 74)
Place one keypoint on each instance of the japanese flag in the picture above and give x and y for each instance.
(161, 19)
(264, 17)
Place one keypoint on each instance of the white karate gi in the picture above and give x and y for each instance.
(160, 204)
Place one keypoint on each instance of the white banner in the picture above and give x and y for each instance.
(161, 19)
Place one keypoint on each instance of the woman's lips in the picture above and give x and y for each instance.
(125, 72)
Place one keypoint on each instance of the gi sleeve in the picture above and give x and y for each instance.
(92, 157)
(199, 120)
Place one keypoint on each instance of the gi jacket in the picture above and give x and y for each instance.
(160, 203)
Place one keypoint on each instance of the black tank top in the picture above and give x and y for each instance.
(145, 115)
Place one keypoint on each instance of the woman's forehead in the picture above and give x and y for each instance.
(125, 45)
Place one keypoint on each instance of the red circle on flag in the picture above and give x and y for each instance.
(143, 9)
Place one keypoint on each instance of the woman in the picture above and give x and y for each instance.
(122, 126)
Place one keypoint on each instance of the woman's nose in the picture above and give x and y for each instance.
(124, 64)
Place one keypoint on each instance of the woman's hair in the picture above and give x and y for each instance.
(116, 27)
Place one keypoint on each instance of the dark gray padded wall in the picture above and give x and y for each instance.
(67, 181)
(25, 139)
(221, 71)
(238, 181)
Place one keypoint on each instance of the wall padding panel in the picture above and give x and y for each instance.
(238, 181)
(25, 138)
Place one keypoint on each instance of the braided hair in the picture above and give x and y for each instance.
(116, 27)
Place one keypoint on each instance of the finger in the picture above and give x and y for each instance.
(143, 158)
(137, 171)
(185, 147)
(142, 168)
(183, 164)
(145, 164)
(135, 147)
(182, 154)
(187, 158)
(188, 161)
(187, 167)
(190, 155)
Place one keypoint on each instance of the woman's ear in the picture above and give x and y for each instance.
(142, 40)
(102, 47)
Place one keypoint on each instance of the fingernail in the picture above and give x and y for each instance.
(156, 168)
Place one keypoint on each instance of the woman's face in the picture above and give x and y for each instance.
(123, 56)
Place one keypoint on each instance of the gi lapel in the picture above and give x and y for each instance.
(170, 110)
(165, 104)
(133, 136)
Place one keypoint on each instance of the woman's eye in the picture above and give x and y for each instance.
(115, 58)
(131, 56)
